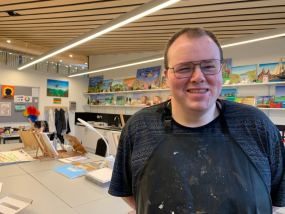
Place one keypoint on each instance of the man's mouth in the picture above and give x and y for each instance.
(197, 90)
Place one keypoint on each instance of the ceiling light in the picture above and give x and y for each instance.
(9, 41)
(60, 60)
(86, 63)
(70, 55)
(31, 58)
(116, 67)
(253, 40)
(107, 29)
(10, 53)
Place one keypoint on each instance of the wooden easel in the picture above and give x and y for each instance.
(76, 145)
(28, 142)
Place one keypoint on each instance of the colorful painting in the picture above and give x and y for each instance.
(248, 100)
(228, 94)
(226, 69)
(147, 78)
(137, 97)
(109, 98)
(57, 88)
(128, 84)
(95, 84)
(117, 85)
(101, 98)
(56, 100)
(120, 100)
(106, 85)
(264, 101)
(280, 93)
(272, 70)
(8, 91)
(243, 74)
(93, 99)
(164, 83)
(5, 109)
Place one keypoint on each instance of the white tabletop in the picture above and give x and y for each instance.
(54, 193)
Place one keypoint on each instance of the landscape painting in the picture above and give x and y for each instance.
(101, 98)
(109, 98)
(228, 94)
(128, 84)
(117, 85)
(106, 85)
(243, 74)
(57, 88)
(248, 100)
(148, 78)
(226, 69)
(264, 101)
(272, 70)
(95, 84)
(120, 100)
(280, 93)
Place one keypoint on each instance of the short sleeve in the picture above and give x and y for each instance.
(277, 164)
(121, 182)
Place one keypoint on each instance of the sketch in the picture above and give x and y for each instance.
(8, 91)
(5, 109)
(57, 88)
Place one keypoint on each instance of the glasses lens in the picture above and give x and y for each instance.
(184, 69)
(212, 66)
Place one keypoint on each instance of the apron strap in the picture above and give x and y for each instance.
(167, 109)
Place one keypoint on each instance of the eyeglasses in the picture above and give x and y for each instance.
(186, 69)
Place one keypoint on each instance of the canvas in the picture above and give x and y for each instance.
(226, 69)
(109, 98)
(137, 97)
(243, 74)
(95, 84)
(272, 70)
(101, 98)
(228, 94)
(8, 91)
(117, 85)
(128, 84)
(57, 88)
(147, 78)
(120, 100)
(164, 83)
(106, 85)
(280, 93)
(248, 100)
(264, 101)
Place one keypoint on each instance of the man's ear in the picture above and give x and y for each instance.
(165, 73)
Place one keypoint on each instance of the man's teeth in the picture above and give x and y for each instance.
(197, 91)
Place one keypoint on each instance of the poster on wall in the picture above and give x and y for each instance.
(147, 78)
(56, 100)
(57, 88)
(95, 84)
(243, 74)
(226, 69)
(5, 109)
(8, 91)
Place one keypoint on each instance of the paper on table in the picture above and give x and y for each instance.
(102, 175)
(278, 210)
(35, 92)
(13, 203)
(73, 159)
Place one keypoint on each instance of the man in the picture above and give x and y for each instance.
(197, 154)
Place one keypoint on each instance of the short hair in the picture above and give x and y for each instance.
(195, 32)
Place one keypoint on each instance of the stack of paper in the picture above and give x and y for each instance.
(14, 157)
(74, 170)
(13, 203)
(101, 177)
(73, 159)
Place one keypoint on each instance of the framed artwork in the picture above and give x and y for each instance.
(57, 88)
(5, 109)
(8, 91)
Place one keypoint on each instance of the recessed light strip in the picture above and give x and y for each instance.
(116, 67)
(147, 12)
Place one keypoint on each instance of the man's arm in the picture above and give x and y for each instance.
(130, 201)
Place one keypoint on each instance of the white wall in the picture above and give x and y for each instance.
(253, 53)
(11, 76)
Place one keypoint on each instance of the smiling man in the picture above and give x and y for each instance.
(195, 153)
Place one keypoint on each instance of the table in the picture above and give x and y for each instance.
(54, 193)
(16, 137)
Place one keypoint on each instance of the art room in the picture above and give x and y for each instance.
(142, 106)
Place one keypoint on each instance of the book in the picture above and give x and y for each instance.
(73, 159)
(13, 204)
(74, 170)
(101, 177)
(14, 157)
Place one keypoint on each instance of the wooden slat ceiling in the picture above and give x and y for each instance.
(51, 23)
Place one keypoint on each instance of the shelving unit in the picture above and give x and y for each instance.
(116, 106)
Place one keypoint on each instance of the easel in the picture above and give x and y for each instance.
(76, 145)
(28, 141)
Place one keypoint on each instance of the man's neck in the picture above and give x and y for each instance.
(190, 118)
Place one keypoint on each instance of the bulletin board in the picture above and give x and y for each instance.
(17, 116)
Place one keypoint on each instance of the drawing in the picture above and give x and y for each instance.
(5, 109)
(147, 78)
(106, 85)
(228, 94)
(95, 84)
(243, 74)
(226, 69)
(8, 91)
(272, 70)
(57, 88)
(128, 84)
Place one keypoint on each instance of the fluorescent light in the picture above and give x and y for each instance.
(253, 40)
(103, 31)
(70, 55)
(116, 67)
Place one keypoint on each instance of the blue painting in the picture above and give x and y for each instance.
(243, 74)
(148, 77)
(95, 84)
(272, 70)
(228, 94)
(57, 88)
(106, 85)
(280, 93)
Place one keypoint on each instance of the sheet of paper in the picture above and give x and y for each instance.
(35, 92)
(278, 210)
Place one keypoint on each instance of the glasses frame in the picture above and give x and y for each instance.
(194, 70)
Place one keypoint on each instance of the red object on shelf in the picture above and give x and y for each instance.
(275, 105)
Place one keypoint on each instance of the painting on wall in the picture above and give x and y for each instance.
(95, 84)
(5, 109)
(164, 83)
(226, 69)
(8, 91)
(243, 74)
(128, 84)
(117, 85)
(57, 88)
(228, 94)
(147, 78)
(106, 84)
(272, 70)
(56, 100)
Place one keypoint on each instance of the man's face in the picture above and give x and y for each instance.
(197, 92)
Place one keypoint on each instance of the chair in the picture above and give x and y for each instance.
(101, 148)
(282, 130)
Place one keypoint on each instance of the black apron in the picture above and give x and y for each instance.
(200, 173)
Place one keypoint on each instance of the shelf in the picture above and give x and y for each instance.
(135, 91)
(273, 109)
(116, 106)
(254, 84)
